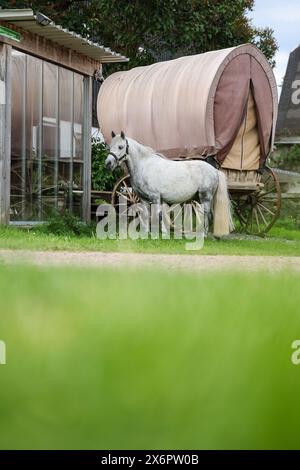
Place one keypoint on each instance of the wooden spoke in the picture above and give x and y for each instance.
(123, 189)
(256, 217)
(271, 191)
(123, 195)
(266, 208)
(262, 215)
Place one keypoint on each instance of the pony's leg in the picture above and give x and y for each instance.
(145, 216)
(206, 198)
(159, 215)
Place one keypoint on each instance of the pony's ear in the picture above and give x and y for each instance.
(122, 135)
(113, 134)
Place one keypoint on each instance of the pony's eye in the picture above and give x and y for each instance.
(121, 147)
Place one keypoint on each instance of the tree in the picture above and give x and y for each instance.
(151, 30)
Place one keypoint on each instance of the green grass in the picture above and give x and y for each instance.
(111, 360)
(281, 241)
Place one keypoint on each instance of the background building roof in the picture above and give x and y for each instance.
(288, 124)
(43, 26)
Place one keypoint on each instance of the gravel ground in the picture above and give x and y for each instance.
(178, 262)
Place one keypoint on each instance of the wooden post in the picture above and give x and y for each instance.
(87, 148)
(5, 131)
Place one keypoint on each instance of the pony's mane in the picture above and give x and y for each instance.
(150, 149)
(156, 153)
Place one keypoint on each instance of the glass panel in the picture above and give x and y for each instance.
(77, 188)
(78, 176)
(18, 102)
(77, 203)
(18, 167)
(78, 117)
(33, 106)
(49, 188)
(64, 169)
(47, 142)
(25, 166)
(33, 200)
(65, 138)
(50, 138)
(50, 110)
(65, 112)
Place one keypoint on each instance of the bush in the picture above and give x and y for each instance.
(289, 214)
(286, 158)
(66, 224)
(102, 179)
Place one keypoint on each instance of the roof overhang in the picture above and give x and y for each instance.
(28, 21)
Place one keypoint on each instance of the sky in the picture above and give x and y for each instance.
(284, 17)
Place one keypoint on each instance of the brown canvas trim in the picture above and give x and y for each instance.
(222, 154)
(253, 52)
(263, 155)
(265, 110)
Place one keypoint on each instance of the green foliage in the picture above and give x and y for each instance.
(286, 158)
(106, 359)
(102, 179)
(12, 238)
(65, 224)
(265, 41)
(289, 214)
(288, 222)
(149, 30)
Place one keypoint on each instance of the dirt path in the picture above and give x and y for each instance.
(185, 262)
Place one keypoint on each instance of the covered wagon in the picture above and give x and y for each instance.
(220, 106)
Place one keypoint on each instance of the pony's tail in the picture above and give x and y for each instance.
(223, 223)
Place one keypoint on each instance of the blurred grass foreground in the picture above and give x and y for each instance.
(128, 360)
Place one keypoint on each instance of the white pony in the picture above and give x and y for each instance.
(155, 179)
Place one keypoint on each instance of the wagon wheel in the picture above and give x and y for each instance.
(123, 197)
(36, 201)
(258, 211)
(123, 189)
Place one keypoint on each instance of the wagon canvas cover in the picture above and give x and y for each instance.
(221, 103)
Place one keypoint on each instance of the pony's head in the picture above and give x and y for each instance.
(118, 151)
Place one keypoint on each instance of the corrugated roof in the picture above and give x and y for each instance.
(27, 20)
